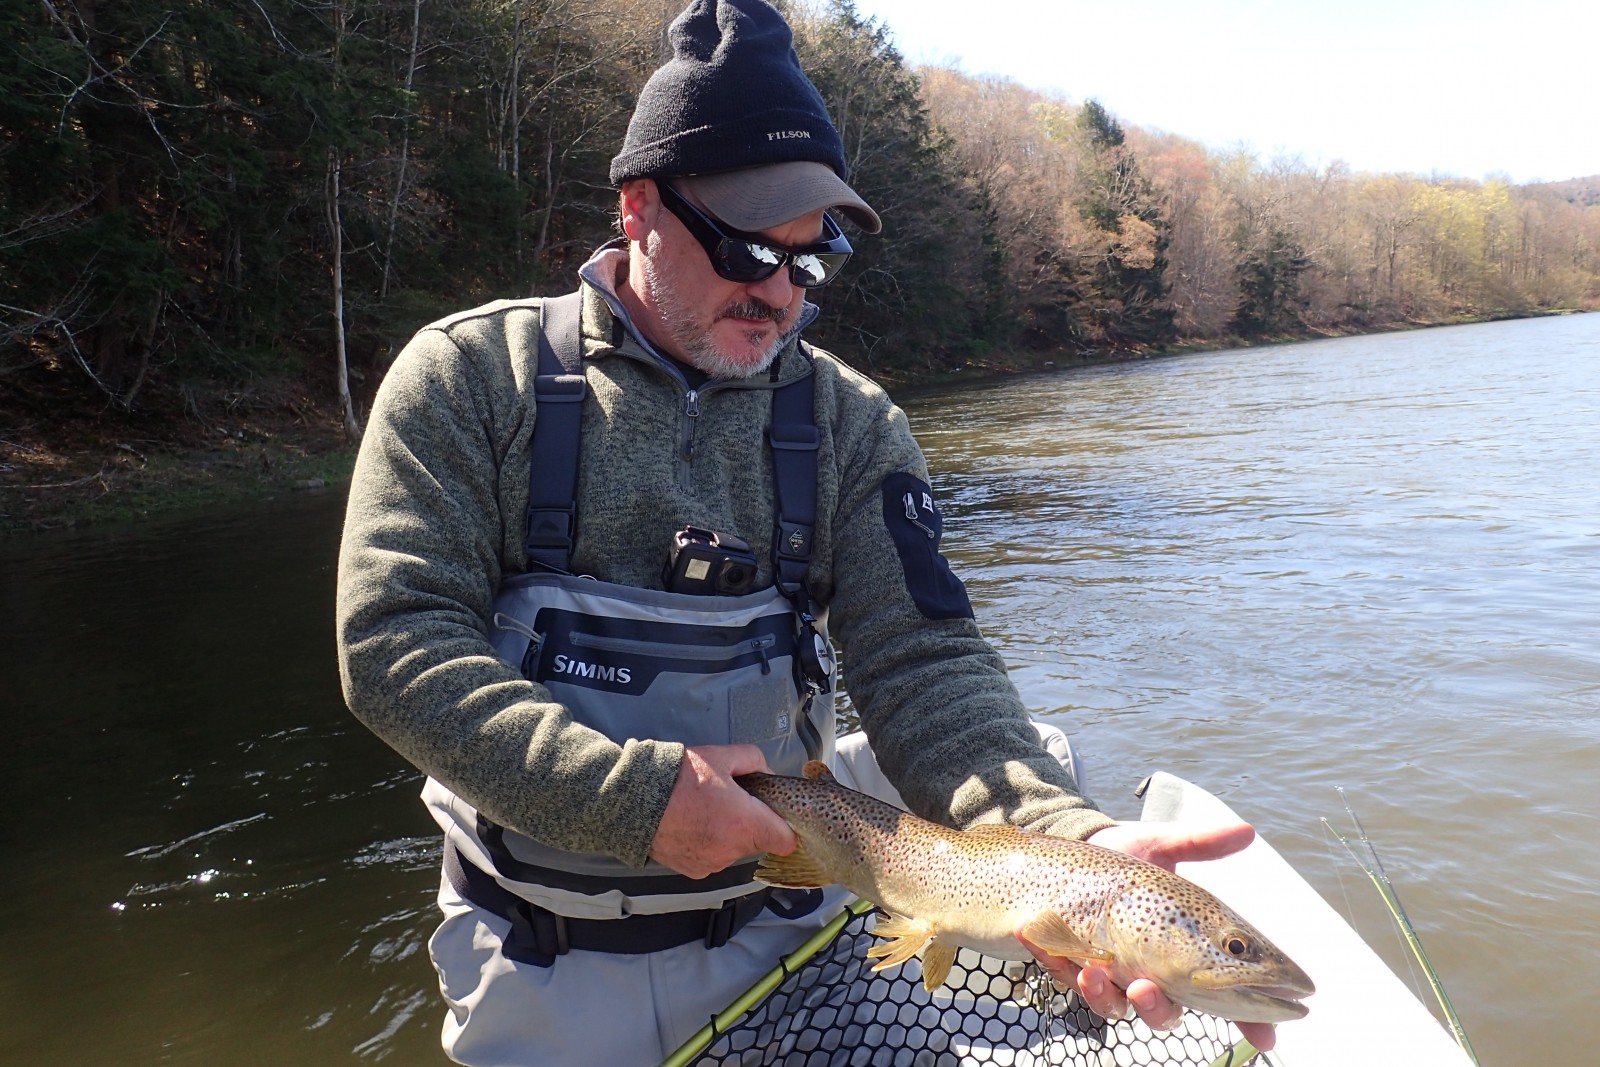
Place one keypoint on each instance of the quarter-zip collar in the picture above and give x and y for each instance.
(600, 274)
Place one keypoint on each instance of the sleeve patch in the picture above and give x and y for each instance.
(915, 526)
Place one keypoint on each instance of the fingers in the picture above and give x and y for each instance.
(1209, 842)
(1262, 1035)
(1146, 998)
(1063, 970)
(709, 822)
(728, 760)
(1169, 844)
(1103, 996)
(714, 768)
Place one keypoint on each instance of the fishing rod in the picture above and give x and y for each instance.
(1373, 866)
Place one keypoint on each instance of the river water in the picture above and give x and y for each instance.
(1368, 564)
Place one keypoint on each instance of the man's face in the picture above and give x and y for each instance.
(725, 329)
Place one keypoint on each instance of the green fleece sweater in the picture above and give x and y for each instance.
(436, 518)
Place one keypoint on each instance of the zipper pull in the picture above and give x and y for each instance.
(530, 655)
(691, 405)
(916, 517)
(502, 621)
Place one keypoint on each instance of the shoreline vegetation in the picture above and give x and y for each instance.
(115, 472)
(219, 223)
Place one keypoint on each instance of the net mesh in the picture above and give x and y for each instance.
(831, 1010)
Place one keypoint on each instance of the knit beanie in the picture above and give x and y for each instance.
(732, 96)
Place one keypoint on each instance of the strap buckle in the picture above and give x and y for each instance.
(720, 927)
(545, 930)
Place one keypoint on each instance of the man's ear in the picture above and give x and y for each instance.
(640, 203)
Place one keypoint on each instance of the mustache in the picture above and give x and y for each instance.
(754, 309)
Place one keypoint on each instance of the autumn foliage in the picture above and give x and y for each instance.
(205, 191)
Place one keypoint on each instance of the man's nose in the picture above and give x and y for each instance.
(776, 291)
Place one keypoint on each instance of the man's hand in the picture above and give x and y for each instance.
(710, 823)
(1165, 845)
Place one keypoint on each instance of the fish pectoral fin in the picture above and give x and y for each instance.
(905, 939)
(936, 961)
(1050, 932)
(798, 870)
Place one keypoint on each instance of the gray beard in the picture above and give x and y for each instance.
(699, 349)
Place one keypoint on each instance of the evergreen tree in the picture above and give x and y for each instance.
(1125, 304)
(1270, 298)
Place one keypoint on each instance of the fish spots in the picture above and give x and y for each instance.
(979, 885)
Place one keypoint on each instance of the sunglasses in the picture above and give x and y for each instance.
(748, 258)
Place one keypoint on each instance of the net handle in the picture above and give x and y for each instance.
(744, 1002)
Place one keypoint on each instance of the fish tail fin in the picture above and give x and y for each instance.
(798, 870)
(905, 939)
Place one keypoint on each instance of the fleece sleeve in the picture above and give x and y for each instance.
(946, 723)
(424, 542)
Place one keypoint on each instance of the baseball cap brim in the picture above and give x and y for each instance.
(758, 198)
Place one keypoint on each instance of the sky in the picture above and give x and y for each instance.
(1462, 88)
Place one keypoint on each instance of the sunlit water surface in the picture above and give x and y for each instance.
(1370, 564)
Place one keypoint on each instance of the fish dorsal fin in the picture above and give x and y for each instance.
(995, 833)
(905, 939)
(1050, 932)
(816, 769)
(798, 870)
(936, 961)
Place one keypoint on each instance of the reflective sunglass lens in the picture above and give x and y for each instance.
(817, 268)
(748, 262)
(809, 270)
(740, 261)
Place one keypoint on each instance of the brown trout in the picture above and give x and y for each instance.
(946, 889)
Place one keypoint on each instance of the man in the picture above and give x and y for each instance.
(586, 581)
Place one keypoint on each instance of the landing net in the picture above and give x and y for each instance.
(824, 1007)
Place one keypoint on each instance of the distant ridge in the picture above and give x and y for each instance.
(1582, 191)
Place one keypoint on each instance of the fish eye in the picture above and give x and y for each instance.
(1235, 945)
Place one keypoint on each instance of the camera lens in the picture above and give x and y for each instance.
(734, 578)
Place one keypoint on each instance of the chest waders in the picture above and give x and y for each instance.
(642, 663)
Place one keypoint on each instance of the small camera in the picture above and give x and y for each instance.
(709, 563)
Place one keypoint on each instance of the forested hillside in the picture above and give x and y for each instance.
(207, 203)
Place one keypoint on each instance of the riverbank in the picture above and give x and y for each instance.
(199, 449)
(223, 446)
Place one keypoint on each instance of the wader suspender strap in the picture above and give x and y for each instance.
(558, 390)
(794, 476)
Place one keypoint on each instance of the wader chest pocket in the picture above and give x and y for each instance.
(650, 664)
(675, 682)
(760, 646)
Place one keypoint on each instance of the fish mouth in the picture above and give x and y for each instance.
(1283, 998)
(1269, 1002)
